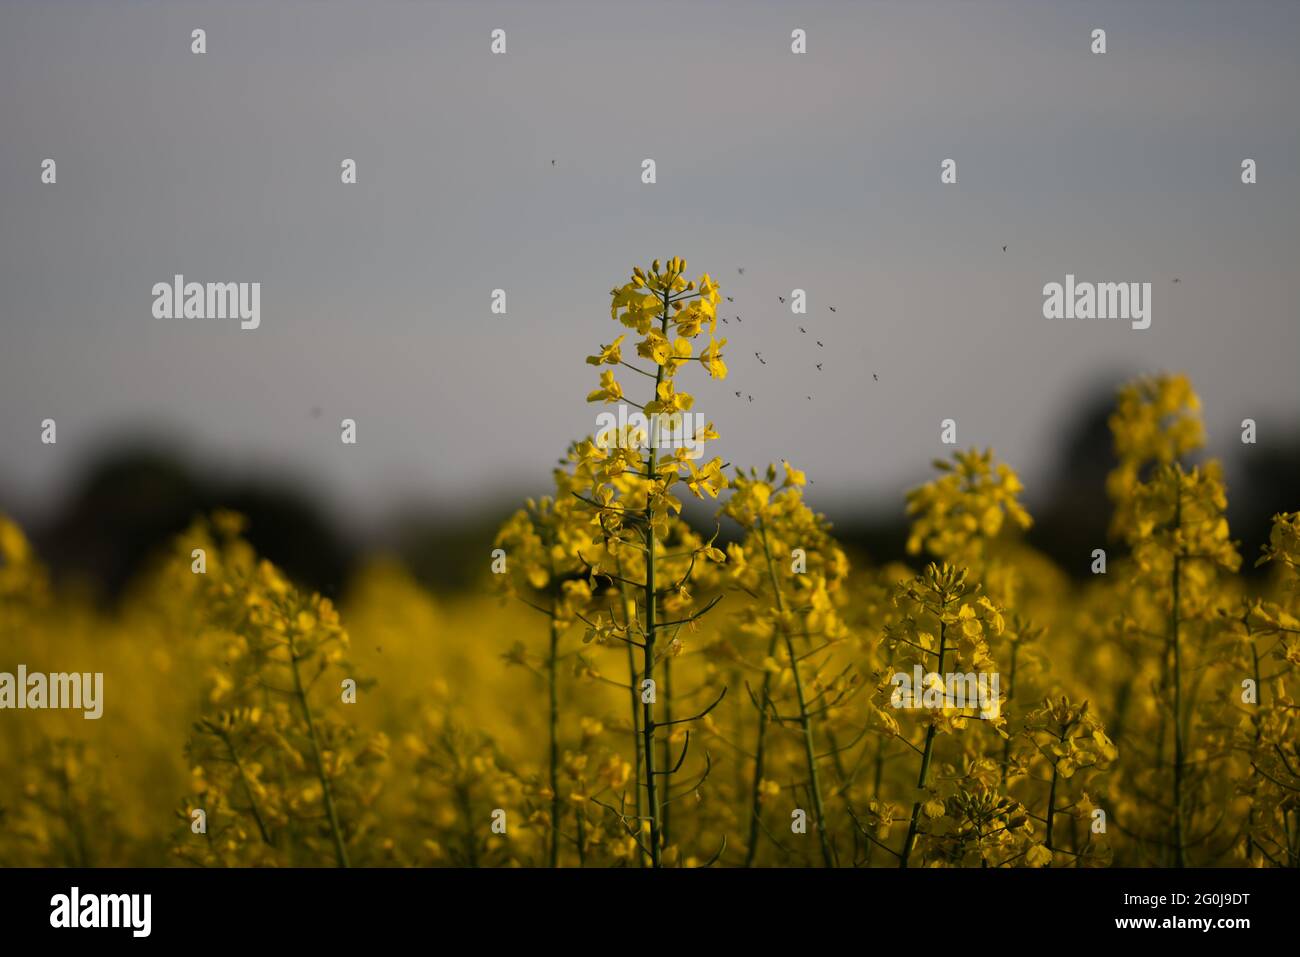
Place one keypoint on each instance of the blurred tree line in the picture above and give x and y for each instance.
(131, 502)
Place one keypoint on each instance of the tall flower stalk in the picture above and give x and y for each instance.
(631, 482)
(1172, 518)
(545, 570)
(270, 645)
(776, 521)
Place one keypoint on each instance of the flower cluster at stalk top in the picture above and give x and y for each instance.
(670, 313)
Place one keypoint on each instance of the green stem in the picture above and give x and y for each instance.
(875, 792)
(924, 778)
(666, 811)
(243, 778)
(805, 722)
(636, 701)
(340, 852)
(755, 801)
(1051, 801)
(1011, 692)
(648, 715)
(582, 837)
(467, 809)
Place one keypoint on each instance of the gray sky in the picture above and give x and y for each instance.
(818, 171)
